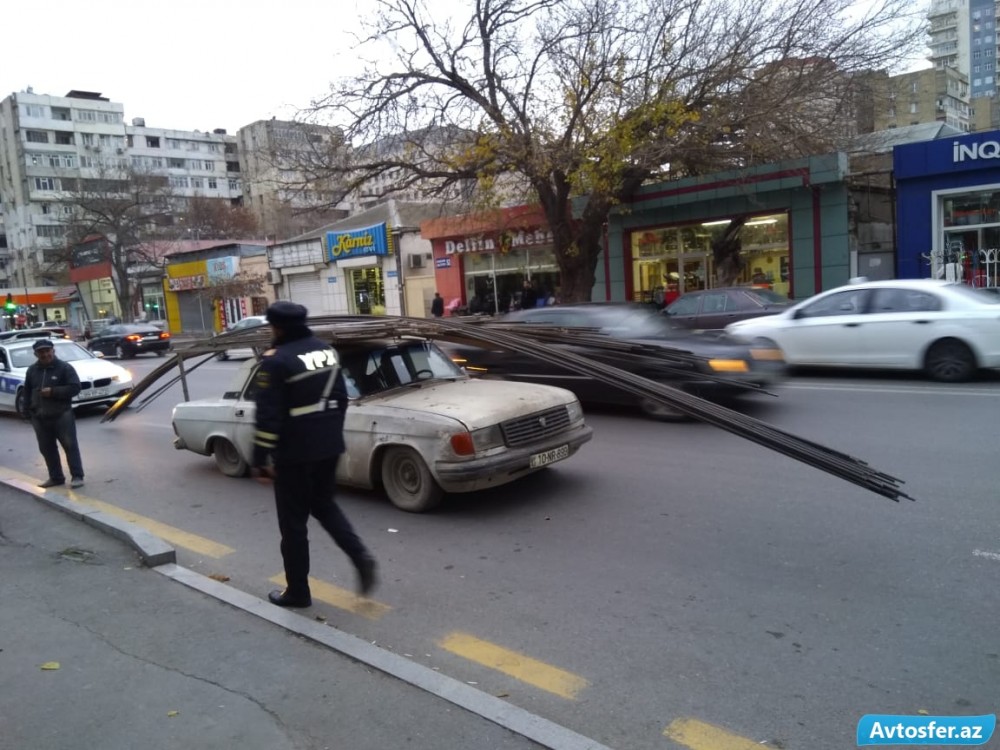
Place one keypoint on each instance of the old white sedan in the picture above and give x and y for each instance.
(417, 426)
(101, 382)
(948, 330)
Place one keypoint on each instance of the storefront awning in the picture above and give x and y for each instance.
(65, 294)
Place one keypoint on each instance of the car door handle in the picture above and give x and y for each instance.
(921, 322)
(851, 325)
(240, 413)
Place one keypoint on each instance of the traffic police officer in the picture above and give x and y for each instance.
(301, 402)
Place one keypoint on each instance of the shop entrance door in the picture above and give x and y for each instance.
(697, 273)
(367, 290)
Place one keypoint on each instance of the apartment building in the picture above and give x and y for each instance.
(283, 182)
(48, 144)
(963, 35)
(923, 96)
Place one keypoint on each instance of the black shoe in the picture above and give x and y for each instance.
(367, 575)
(282, 599)
(53, 483)
(76, 482)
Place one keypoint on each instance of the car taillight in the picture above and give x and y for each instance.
(164, 335)
(132, 337)
(462, 444)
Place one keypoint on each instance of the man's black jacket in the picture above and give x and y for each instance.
(61, 377)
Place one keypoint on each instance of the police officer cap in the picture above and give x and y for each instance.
(285, 313)
(42, 344)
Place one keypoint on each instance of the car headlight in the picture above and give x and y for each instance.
(728, 365)
(575, 409)
(488, 437)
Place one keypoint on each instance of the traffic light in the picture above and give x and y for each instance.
(10, 305)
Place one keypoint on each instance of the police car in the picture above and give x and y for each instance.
(101, 382)
(417, 425)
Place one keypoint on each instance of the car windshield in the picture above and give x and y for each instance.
(373, 370)
(767, 297)
(67, 351)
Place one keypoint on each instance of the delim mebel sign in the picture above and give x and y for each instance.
(373, 240)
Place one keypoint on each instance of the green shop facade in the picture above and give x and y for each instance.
(796, 239)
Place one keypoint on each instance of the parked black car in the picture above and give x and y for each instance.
(717, 356)
(714, 309)
(129, 339)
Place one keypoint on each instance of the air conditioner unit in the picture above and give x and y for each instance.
(274, 276)
(415, 261)
(119, 151)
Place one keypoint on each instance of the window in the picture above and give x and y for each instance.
(47, 183)
(65, 161)
(109, 117)
(687, 305)
(214, 147)
(152, 141)
(89, 162)
(37, 136)
(213, 184)
(234, 185)
(179, 182)
(64, 139)
(175, 163)
(904, 300)
(976, 54)
(87, 139)
(849, 302)
(975, 68)
(61, 113)
(34, 110)
(193, 146)
(155, 162)
(173, 143)
(50, 230)
(197, 183)
(714, 303)
(86, 115)
(209, 166)
(46, 208)
(105, 140)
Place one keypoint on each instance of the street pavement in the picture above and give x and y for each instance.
(106, 643)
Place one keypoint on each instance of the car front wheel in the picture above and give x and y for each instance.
(120, 352)
(20, 406)
(950, 361)
(661, 411)
(408, 482)
(228, 459)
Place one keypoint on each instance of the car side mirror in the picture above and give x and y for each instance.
(99, 355)
(798, 315)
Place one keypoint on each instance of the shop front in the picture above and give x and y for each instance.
(793, 239)
(948, 208)
(366, 267)
(493, 263)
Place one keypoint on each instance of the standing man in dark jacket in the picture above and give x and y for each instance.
(301, 401)
(437, 305)
(49, 388)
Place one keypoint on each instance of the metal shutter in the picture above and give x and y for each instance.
(306, 289)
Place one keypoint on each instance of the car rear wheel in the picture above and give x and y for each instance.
(228, 459)
(20, 406)
(950, 361)
(408, 482)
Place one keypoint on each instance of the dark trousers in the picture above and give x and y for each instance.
(301, 490)
(52, 432)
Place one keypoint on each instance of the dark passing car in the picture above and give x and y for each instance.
(125, 340)
(714, 309)
(717, 356)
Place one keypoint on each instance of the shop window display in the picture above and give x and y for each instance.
(668, 262)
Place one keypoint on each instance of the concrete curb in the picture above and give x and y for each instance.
(160, 556)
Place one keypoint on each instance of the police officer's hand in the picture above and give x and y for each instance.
(45, 392)
(263, 474)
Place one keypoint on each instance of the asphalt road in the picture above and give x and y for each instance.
(670, 586)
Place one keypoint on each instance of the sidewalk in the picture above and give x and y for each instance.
(165, 658)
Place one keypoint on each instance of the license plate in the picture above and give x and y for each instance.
(548, 457)
(97, 392)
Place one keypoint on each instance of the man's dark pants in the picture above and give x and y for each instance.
(301, 490)
(52, 432)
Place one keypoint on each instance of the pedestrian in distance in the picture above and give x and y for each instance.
(437, 306)
(299, 437)
(50, 385)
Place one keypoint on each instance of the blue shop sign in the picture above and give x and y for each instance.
(442, 262)
(964, 153)
(373, 240)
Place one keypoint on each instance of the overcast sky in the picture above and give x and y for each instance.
(184, 64)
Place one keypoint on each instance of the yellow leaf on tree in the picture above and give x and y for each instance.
(50, 665)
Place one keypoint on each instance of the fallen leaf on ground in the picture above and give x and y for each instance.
(219, 577)
(50, 665)
(172, 714)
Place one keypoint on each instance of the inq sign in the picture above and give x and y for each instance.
(985, 150)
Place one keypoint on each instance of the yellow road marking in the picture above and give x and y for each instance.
(698, 735)
(541, 675)
(172, 534)
(341, 598)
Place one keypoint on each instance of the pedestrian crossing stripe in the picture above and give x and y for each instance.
(697, 735)
(524, 668)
